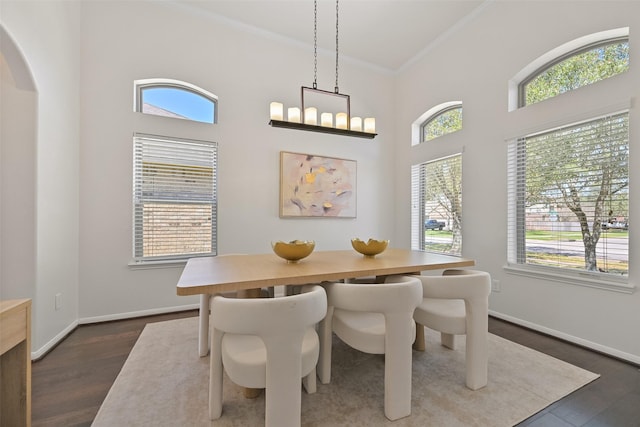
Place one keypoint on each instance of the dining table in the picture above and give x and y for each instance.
(249, 273)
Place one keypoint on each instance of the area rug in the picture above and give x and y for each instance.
(165, 383)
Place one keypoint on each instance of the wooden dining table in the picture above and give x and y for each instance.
(250, 273)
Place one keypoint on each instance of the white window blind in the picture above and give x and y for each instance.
(568, 192)
(436, 195)
(175, 204)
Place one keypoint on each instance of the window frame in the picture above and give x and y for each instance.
(161, 83)
(416, 126)
(513, 98)
(138, 234)
(516, 218)
(561, 58)
(418, 202)
(434, 116)
(537, 121)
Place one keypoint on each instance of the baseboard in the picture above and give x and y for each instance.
(133, 314)
(570, 338)
(39, 353)
(42, 351)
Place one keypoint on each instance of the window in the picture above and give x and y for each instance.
(445, 120)
(174, 198)
(580, 67)
(436, 199)
(569, 197)
(173, 98)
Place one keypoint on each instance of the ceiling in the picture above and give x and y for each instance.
(386, 34)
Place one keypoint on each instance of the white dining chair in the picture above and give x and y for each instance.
(203, 317)
(376, 319)
(457, 303)
(268, 343)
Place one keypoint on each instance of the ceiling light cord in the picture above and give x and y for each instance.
(336, 90)
(315, 44)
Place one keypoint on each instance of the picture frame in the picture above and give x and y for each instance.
(317, 186)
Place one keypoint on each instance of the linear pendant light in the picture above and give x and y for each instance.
(306, 117)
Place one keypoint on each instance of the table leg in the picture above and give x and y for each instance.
(203, 326)
(251, 393)
(250, 293)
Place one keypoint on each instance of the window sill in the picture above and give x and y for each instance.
(166, 263)
(591, 280)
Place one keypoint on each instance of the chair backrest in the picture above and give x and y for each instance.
(270, 316)
(457, 284)
(397, 294)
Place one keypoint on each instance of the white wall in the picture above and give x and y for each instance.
(474, 65)
(47, 34)
(17, 173)
(246, 70)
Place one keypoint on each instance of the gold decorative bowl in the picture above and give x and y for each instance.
(370, 248)
(294, 250)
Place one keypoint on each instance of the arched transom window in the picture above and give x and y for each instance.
(441, 120)
(177, 99)
(581, 66)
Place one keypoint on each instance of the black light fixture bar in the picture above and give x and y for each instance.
(323, 129)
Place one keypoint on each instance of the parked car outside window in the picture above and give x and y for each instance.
(432, 224)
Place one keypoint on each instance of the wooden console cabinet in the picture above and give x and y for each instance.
(15, 363)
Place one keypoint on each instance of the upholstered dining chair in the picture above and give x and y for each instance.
(457, 303)
(268, 343)
(376, 319)
(205, 310)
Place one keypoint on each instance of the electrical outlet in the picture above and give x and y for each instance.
(58, 301)
(495, 285)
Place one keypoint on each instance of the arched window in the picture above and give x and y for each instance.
(581, 62)
(174, 178)
(177, 99)
(440, 120)
(568, 180)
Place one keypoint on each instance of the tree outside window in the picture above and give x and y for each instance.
(445, 121)
(579, 68)
(572, 192)
(437, 194)
(569, 186)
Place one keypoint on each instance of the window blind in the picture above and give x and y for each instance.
(568, 192)
(175, 203)
(417, 209)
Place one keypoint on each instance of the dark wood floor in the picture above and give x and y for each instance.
(70, 382)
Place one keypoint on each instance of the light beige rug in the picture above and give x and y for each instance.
(164, 383)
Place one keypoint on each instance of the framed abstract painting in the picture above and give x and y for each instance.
(317, 186)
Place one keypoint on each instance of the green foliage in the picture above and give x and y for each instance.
(578, 70)
(445, 122)
(444, 193)
(583, 168)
